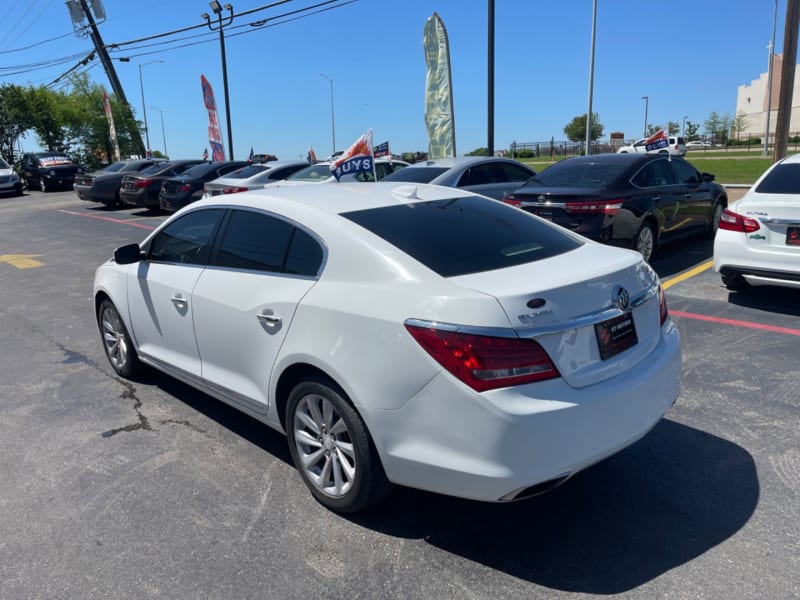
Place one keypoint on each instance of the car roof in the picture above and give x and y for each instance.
(457, 161)
(337, 198)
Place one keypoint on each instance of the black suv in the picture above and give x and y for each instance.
(48, 170)
(187, 187)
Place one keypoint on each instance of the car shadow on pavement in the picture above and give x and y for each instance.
(672, 259)
(768, 298)
(667, 499)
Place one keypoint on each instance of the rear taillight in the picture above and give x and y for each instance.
(732, 221)
(234, 190)
(512, 201)
(186, 187)
(484, 362)
(663, 313)
(142, 183)
(604, 207)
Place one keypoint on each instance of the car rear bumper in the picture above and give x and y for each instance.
(498, 445)
(734, 255)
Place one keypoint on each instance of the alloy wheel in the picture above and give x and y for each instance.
(324, 446)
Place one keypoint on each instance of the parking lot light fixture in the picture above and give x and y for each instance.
(333, 127)
(163, 135)
(144, 106)
(646, 103)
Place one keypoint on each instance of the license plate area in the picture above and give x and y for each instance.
(615, 335)
(793, 236)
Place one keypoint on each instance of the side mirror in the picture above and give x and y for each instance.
(708, 177)
(126, 255)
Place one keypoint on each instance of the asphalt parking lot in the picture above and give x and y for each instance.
(153, 490)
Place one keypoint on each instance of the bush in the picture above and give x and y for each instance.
(525, 153)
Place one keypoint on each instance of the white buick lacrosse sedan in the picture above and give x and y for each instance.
(400, 334)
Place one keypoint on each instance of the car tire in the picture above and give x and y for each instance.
(735, 282)
(716, 214)
(645, 242)
(117, 342)
(332, 449)
(42, 186)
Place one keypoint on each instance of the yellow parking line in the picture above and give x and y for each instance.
(690, 273)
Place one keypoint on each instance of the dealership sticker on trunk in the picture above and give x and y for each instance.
(615, 335)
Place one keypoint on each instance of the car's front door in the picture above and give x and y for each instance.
(244, 302)
(698, 198)
(160, 292)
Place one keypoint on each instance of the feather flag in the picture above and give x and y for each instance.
(439, 117)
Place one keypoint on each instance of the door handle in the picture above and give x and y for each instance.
(178, 301)
(269, 320)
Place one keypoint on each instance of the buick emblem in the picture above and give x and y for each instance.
(621, 298)
(541, 199)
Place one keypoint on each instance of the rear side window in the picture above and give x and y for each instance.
(260, 242)
(783, 179)
(465, 235)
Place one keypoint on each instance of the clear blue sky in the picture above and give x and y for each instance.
(687, 56)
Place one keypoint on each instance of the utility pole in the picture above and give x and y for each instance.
(112, 74)
(490, 82)
(787, 79)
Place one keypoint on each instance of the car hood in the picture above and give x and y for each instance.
(6, 172)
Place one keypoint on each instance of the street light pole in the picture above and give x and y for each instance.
(144, 106)
(591, 81)
(646, 104)
(333, 127)
(163, 135)
(217, 10)
(769, 79)
(683, 129)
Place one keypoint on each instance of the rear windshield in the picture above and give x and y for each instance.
(247, 172)
(199, 170)
(414, 174)
(114, 167)
(783, 179)
(578, 175)
(464, 235)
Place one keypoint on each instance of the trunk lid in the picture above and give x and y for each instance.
(571, 305)
(779, 217)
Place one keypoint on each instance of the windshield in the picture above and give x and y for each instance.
(3, 164)
(247, 172)
(414, 174)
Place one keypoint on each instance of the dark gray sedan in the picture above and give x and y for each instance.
(495, 177)
(104, 186)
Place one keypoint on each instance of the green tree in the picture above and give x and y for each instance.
(478, 152)
(673, 128)
(739, 123)
(575, 130)
(691, 130)
(15, 118)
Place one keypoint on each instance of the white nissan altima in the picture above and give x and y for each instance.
(758, 240)
(400, 334)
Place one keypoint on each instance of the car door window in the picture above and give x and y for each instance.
(262, 242)
(684, 172)
(653, 174)
(478, 175)
(186, 240)
(254, 241)
(511, 172)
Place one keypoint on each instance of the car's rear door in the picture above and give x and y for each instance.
(245, 301)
